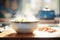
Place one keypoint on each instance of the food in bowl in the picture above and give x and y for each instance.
(23, 20)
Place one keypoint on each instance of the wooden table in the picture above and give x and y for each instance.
(20, 35)
(28, 36)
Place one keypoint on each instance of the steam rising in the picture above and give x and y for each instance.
(26, 14)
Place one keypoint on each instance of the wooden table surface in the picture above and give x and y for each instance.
(28, 36)
(20, 35)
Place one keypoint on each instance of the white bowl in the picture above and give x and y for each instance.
(25, 27)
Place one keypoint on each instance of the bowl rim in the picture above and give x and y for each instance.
(26, 22)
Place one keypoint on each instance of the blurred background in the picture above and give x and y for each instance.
(12, 6)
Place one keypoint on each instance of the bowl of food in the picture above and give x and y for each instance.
(25, 26)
